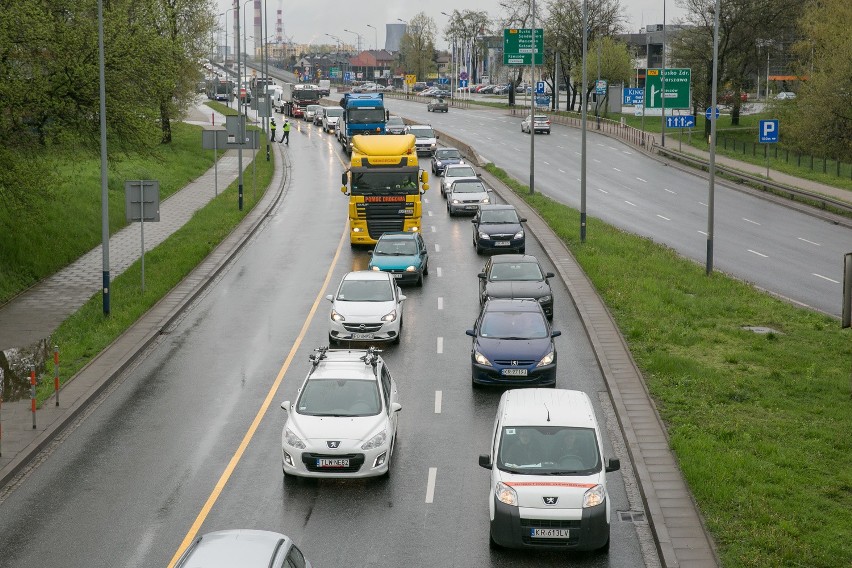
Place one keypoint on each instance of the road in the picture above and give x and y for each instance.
(789, 253)
(189, 439)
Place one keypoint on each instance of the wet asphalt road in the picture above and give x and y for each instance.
(190, 438)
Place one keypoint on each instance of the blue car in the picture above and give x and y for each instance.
(444, 157)
(513, 345)
(404, 255)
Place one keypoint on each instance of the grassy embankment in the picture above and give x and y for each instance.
(760, 423)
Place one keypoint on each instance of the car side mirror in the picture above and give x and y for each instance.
(396, 407)
(485, 461)
(402, 297)
(479, 174)
(470, 332)
(330, 298)
(286, 405)
(481, 275)
(343, 178)
(422, 252)
(473, 220)
(549, 275)
(613, 464)
(555, 333)
(523, 220)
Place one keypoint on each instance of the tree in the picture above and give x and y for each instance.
(615, 65)
(819, 120)
(417, 46)
(465, 32)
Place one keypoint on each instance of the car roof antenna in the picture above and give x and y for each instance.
(548, 412)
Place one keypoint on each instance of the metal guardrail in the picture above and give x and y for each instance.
(822, 201)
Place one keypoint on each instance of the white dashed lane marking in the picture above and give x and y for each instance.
(757, 253)
(438, 396)
(430, 484)
(825, 278)
(750, 221)
(809, 242)
(440, 345)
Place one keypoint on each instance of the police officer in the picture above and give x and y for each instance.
(272, 128)
(286, 136)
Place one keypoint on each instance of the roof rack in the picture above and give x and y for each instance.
(371, 357)
(318, 355)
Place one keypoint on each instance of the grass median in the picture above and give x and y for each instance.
(760, 423)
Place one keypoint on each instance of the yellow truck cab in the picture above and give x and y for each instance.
(384, 184)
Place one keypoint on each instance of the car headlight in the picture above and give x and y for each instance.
(456, 201)
(376, 441)
(481, 359)
(593, 497)
(293, 440)
(485, 200)
(506, 494)
(389, 317)
(411, 269)
(376, 268)
(546, 360)
(544, 299)
(519, 234)
(484, 235)
(336, 316)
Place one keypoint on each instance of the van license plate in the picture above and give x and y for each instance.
(334, 463)
(549, 533)
(514, 372)
(362, 336)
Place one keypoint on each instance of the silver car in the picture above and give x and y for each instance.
(344, 420)
(541, 124)
(454, 172)
(242, 547)
(366, 307)
(465, 196)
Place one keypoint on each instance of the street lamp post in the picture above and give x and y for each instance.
(239, 111)
(712, 169)
(584, 102)
(358, 36)
(376, 38)
(337, 39)
(663, 82)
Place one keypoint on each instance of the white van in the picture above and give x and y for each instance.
(548, 479)
(276, 96)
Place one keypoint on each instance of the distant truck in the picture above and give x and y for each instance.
(363, 113)
(296, 97)
(219, 89)
(324, 87)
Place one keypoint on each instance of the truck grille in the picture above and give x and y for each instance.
(384, 217)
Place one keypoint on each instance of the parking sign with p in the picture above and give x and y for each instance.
(769, 131)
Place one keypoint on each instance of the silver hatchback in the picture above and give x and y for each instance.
(466, 195)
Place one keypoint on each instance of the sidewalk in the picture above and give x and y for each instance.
(32, 316)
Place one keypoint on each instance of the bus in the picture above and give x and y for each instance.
(384, 184)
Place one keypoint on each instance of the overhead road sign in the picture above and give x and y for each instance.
(518, 46)
(769, 131)
(678, 83)
(680, 121)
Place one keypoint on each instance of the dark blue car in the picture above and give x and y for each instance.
(444, 157)
(513, 345)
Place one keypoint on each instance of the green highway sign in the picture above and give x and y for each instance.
(678, 82)
(518, 46)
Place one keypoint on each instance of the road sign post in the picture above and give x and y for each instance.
(768, 134)
(136, 194)
(518, 46)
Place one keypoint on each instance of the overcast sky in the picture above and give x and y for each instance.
(309, 21)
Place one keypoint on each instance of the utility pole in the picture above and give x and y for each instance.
(663, 81)
(532, 106)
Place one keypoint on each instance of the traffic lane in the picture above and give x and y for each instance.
(132, 476)
(810, 279)
(440, 436)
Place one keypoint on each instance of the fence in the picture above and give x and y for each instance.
(825, 165)
(614, 128)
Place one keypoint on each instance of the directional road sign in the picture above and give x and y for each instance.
(539, 88)
(600, 87)
(462, 82)
(518, 46)
(709, 111)
(680, 121)
(769, 131)
(632, 96)
(677, 88)
(347, 76)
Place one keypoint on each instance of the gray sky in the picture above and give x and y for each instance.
(308, 22)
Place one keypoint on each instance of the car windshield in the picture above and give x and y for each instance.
(498, 216)
(468, 187)
(395, 247)
(423, 132)
(333, 112)
(312, 108)
(395, 121)
(340, 397)
(553, 450)
(366, 115)
(355, 290)
(444, 154)
(513, 325)
(515, 271)
(464, 171)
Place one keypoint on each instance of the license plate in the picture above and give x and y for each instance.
(362, 336)
(397, 275)
(471, 206)
(549, 533)
(501, 244)
(514, 372)
(325, 462)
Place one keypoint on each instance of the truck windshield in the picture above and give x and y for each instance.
(305, 95)
(384, 183)
(366, 115)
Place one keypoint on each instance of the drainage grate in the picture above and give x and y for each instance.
(632, 516)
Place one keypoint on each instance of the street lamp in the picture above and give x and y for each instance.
(245, 41)
(334, 37)
(376, 38)
(453, 61)
(359, 38)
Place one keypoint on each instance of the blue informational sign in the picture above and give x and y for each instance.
(443, 80)
(462, 82)
(632, 96)
(347, 76)
(709, 111)
(539, 88)
(542, 100)
(769, 131)
(682, 121)
(600, 87)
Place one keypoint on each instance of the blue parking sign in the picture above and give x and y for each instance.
(768, 131)
(539, 88)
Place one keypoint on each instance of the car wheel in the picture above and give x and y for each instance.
(450, 211)
(478, 248)
(426, 269)
(605, 548)
(492, 544)
(420, 280)
(522, 250)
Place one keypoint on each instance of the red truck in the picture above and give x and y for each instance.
(296, 97)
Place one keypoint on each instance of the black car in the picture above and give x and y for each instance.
(513, 345)
(498, 228)
(516, 276)
(444, 157)
(395, 125)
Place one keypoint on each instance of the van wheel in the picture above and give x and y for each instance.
(605, 548)
(492, 544)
